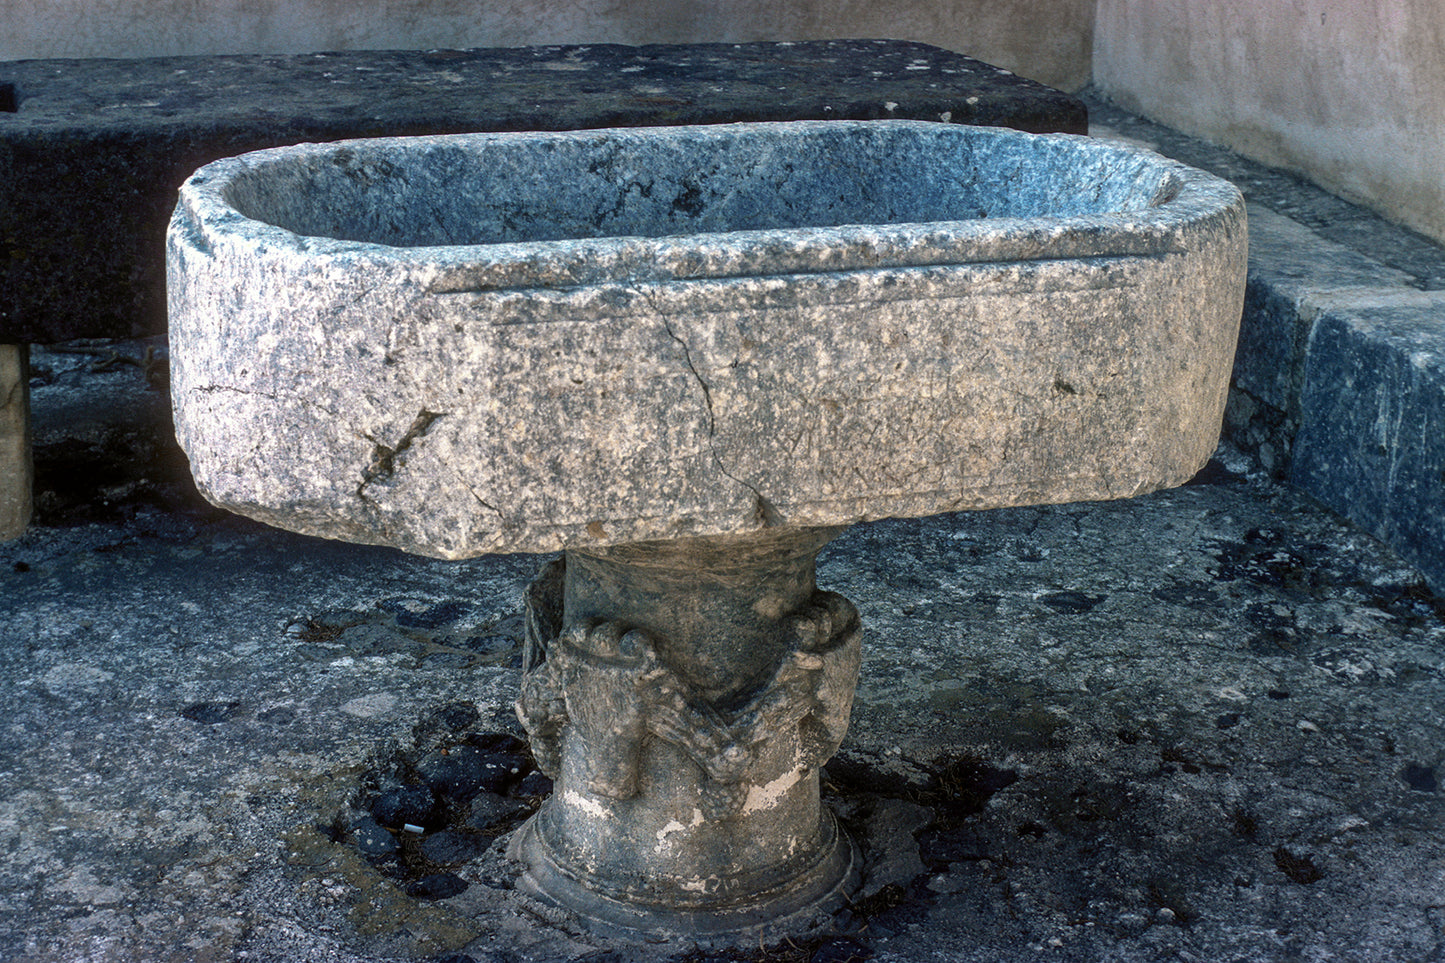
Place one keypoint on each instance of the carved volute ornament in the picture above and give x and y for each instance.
(683, 697)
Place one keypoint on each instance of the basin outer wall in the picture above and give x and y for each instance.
(361, 392)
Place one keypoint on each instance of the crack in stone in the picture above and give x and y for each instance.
(383, 457)
(485, 504)
(269, 396)
(765, 511)
(706, 392)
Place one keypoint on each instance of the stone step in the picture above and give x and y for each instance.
(1339, 381)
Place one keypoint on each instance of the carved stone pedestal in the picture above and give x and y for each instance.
(683, 696)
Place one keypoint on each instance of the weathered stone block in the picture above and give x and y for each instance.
(15, 463)
(522, 342)
(1294, 275)
(1371, 444)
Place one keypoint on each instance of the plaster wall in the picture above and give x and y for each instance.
(1003, 32)
(1350, 93)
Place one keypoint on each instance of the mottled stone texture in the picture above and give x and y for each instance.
(15, 464)
(685, 695)
(1371, 444)
(1294, 274)
(1333, 348)
(93, 150)
(531, 341)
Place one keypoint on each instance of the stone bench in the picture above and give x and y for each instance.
(92, 151)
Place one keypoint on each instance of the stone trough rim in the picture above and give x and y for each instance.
(1191, 198)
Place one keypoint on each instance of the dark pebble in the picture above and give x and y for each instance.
(1420, 778)
(1226, 721)
(437, 886)
(464, 771)
(371, 839)
(490, 811)
(534, 784)
(452, 849)
(211, 713)
(406, 804)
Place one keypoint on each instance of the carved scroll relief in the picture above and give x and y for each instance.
(604, 683)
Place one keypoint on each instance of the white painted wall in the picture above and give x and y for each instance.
(1349, 92)
(1048, 40)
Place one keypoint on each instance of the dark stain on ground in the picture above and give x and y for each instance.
(1420, 778)
(1214, 473)
(443, 631)
(1301, 869)
(212, 713)
(131, 469)
(1267, 557)
(1071, 603)
(956, 789)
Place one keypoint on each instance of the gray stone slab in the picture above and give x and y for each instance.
(529, 341)
(92, 154)
(1294, 275)
(1371, 441)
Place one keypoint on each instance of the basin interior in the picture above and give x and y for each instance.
(429, 192)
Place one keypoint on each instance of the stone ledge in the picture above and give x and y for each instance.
(1352, 356)
(92, 155)
(1371, 441)
(1339, 382)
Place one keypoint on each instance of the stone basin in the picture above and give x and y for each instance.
(689, 357)
(525, 342)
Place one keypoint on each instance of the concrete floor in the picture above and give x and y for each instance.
(1205, 724)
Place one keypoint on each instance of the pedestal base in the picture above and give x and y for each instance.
(798, 904)
(683, 696)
